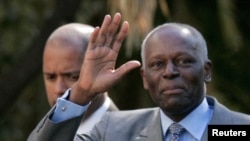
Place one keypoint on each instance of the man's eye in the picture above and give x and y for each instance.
(184, 61)
(157, 65)
(74, 77)
(50, 77)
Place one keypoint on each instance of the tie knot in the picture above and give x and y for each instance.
(176, 129)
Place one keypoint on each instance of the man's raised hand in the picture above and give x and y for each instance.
(98, 72)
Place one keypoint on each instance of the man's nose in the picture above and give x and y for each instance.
(60, 87)
(170, 71)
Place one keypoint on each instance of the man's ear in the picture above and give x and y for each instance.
(208, 72)
(145, 84)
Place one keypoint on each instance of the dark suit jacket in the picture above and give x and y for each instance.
(133, 125)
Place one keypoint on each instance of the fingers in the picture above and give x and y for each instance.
(93, 38)
(103, 31)
(121, 36)
(113, 29)
(106, 35)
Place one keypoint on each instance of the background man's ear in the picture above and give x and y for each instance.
(208, 78)
(208, 72)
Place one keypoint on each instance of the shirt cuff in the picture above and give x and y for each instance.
(66, 109)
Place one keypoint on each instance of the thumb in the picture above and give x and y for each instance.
(127, 67)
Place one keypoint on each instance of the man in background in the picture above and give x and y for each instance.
(62, 61)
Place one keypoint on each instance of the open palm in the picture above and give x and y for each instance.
(98, 72)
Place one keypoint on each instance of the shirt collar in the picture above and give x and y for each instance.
(95, 117)
(195, 123)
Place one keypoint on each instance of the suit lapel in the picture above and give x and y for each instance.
(217, 117)
(152, 132)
